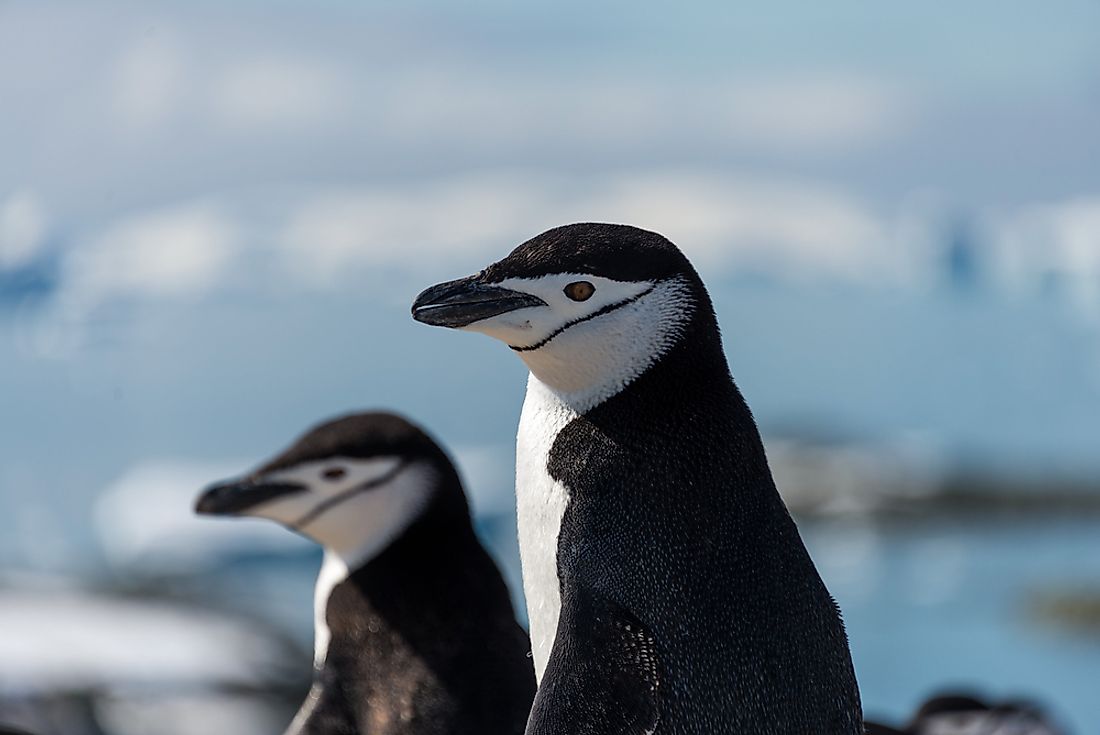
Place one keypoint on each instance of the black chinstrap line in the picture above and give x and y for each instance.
(599, 312)
(335, 500)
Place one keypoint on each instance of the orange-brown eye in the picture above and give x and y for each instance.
(334, 473)
(580, 290)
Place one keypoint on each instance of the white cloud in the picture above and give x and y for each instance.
(329, 231)
(278, 91)
(149, 78)
(22, 226)
(326, 237)
(173, 81)
(201, 83)
(177, 251)
(183, 252)
(399, 236)
(790, 228)
(804, 114)
(812, 113)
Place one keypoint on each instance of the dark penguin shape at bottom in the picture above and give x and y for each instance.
(963, 714)
(415, 629)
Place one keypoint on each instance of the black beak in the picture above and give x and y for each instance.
(467, 300)
(233, 497)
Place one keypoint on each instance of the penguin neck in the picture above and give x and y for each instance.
(351, 554)
(580, 387)
(378, 595)
(583, 372)
(690, 390)
(344, 555)
(591, 361)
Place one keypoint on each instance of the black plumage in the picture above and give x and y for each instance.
(674, 519)
(424, 641)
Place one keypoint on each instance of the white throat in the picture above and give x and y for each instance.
(359, 530)
(340, 560)
(333, 571)
(593, 360)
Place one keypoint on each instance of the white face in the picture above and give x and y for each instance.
(353, 507)
(588, 350)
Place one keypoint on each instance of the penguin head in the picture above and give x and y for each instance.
(588, 307)
(352, 484)
(963, 714)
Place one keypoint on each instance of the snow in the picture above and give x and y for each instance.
(67, 639)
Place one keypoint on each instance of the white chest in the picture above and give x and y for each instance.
(540, 504)
(333, 571)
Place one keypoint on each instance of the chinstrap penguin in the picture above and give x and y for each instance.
(668, 589)
(415, 631)
(965, 714)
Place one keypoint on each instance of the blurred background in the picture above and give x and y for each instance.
(214, 217)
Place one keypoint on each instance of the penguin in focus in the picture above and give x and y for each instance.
(668, 589)
(415, 630)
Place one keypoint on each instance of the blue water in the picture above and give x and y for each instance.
(948, 603)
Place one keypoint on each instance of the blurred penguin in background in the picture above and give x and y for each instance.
(415, 630)
(964, 714)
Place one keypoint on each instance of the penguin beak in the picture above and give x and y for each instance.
(237, 496)
(465, 301)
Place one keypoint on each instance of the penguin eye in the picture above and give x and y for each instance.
(334, 473)
(580, 290)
